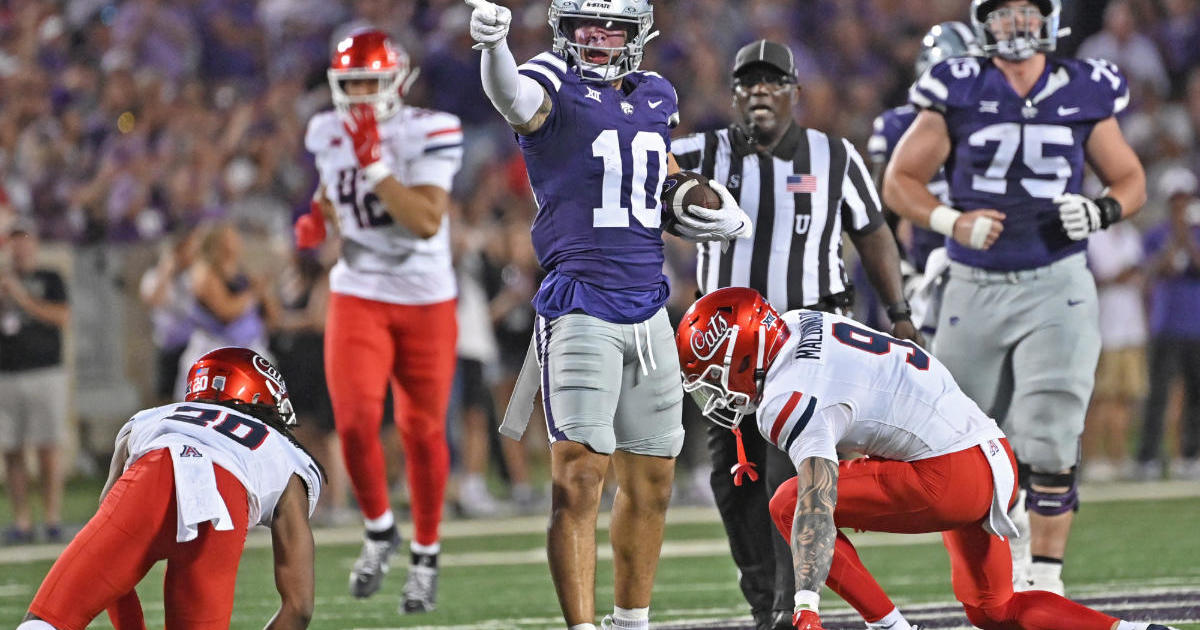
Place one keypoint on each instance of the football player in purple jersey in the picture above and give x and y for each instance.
(595, 134)
(943, 41)
(1018, 326)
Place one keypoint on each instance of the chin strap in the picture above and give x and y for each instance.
(743, 467)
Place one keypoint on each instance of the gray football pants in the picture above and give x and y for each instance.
(1024, 346)
(612, 386)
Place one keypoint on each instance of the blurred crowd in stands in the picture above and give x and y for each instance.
(176, 127)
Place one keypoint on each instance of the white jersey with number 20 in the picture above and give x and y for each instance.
(200, 435)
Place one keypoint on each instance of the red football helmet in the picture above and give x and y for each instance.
(240, 375)
(726, 342)
(370, 54)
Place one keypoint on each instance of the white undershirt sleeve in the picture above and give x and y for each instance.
(516, 97)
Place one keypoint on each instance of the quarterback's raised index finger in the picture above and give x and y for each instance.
(478, 4)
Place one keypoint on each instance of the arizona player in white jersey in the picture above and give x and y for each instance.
(1018, 325)
(187, 480)
(386, 170)
(821, 383)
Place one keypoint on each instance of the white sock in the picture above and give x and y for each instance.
(631, 618)
(583, 626)
(473, 482)
(893, 621)
(381, 524)
(429, 550)
(35, 624)
(1121, 625)
(1046, 570)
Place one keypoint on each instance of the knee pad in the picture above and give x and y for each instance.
(1053, 503)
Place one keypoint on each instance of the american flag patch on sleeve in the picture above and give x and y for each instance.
(801, 183)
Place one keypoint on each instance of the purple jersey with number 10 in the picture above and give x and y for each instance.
(596, 167)
(1016, 154)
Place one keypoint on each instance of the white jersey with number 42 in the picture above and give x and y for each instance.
(380, 259)
(261, 458)
(840, 385)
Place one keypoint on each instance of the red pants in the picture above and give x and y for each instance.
(951, 494)
(368, 344)
(134, 528)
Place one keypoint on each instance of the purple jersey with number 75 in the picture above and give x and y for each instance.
(1016, 154)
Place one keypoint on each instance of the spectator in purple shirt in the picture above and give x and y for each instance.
(1173, 259)
(159, 34)
(231, 40)
(1178, 37)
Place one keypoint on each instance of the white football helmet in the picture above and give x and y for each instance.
(944, 41)
(1004, 31)
(635, 17)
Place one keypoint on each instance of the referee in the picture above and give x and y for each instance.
(802, 188)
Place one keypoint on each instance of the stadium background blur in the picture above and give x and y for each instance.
(125, 124)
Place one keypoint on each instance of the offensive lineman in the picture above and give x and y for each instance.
(385, 174)
(822, 383)
(1018, 325)
(186, 482)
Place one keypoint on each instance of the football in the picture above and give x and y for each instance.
(684, 189)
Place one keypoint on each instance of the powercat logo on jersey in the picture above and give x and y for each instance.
(706, 341)
(812, 333)
(266, 369)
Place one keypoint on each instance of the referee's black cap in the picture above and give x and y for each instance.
(763, 52)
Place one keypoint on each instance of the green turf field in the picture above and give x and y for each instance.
(494, 574)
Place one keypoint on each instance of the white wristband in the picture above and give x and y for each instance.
(376, 172)
(807, 600)
(942, 218)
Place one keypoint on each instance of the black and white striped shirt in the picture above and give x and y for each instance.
(801, 198)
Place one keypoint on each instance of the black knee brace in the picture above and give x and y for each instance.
(1052, 503)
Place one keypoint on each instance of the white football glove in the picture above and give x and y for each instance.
(725, 224)
(1080, 216)
(489, 23)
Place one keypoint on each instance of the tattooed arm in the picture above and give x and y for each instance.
(813, 531)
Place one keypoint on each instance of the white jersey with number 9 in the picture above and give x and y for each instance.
(903, 403)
